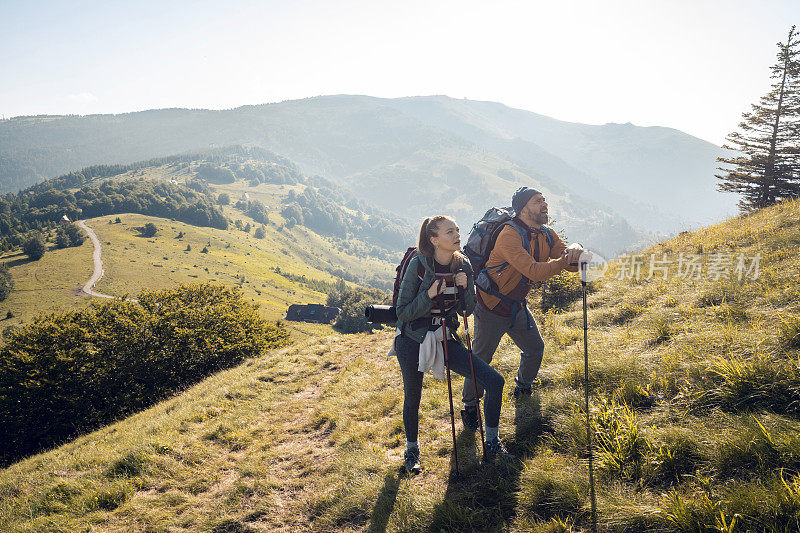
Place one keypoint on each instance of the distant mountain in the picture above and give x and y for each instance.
(634, 169)
(609, 186)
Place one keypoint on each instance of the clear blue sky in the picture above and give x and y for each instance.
(695, 65)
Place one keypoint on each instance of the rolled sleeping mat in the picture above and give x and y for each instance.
(381, 314)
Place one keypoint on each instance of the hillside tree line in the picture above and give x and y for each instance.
(329, 210)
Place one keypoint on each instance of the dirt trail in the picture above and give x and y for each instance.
(98, 264)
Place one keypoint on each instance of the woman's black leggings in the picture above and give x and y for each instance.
(408, 357)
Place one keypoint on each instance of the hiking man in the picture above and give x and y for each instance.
(514, 268)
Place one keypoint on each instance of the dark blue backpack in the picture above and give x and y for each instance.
(481, 241)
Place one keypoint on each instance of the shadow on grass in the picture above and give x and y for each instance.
(483, 497)
(529, 426)
(22, 260)
(385, 504)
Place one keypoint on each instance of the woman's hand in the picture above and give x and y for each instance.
(437, 288)
(461, 280)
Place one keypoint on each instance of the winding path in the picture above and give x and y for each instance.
(98, 264)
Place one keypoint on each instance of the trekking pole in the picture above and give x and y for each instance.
(586, 386)
(472, 367)
(449, 386)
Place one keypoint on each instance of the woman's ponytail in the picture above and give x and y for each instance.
(424, 244)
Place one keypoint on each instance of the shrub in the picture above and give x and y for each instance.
(224, 199)
(149, 230)
(34, 247)
(260, 232)
(69, 235)
(560, 291)
(352, 302)
(94, 365)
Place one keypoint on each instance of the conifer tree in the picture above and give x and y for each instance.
(767, 166)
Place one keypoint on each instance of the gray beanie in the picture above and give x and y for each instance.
(522, 197)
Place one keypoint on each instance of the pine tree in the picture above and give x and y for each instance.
(767, 166)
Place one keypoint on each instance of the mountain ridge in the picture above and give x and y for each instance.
(348, 135)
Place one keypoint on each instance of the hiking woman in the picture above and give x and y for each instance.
(417, 345)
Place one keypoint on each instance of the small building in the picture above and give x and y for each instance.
(245, 197)
(65, 220)
(312, 313)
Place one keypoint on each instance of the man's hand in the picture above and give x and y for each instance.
(461, 280)
(571, 255)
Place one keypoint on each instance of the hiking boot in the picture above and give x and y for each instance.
(469, 417)
(522, 392)
(411, 459)
(496, 451)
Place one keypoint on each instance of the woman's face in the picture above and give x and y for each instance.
(447, 237)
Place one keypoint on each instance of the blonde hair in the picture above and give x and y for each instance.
(429, 229)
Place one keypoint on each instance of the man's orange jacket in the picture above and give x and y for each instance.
(509, 248)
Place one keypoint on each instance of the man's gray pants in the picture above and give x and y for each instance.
(489, 329)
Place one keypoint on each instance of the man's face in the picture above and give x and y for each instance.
(536, 210)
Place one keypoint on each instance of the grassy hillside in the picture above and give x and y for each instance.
(267, 269)
(696, 409)
(455, 179)
(618, 170)
(52, 283)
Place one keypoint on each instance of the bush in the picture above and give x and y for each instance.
(95, 365)
(560, 291)
(149, 230)
(34, 247)
(224, 199)
(261, 232)
(69, 235)
(352, 302)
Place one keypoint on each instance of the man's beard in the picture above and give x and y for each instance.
(541, 218)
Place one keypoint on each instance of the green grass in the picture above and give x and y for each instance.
(132, 263)
(52, 283)
(692, 403)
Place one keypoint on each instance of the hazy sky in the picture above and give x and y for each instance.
(695, 65)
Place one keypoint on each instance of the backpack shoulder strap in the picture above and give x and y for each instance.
(549, 235)
(522, 234)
